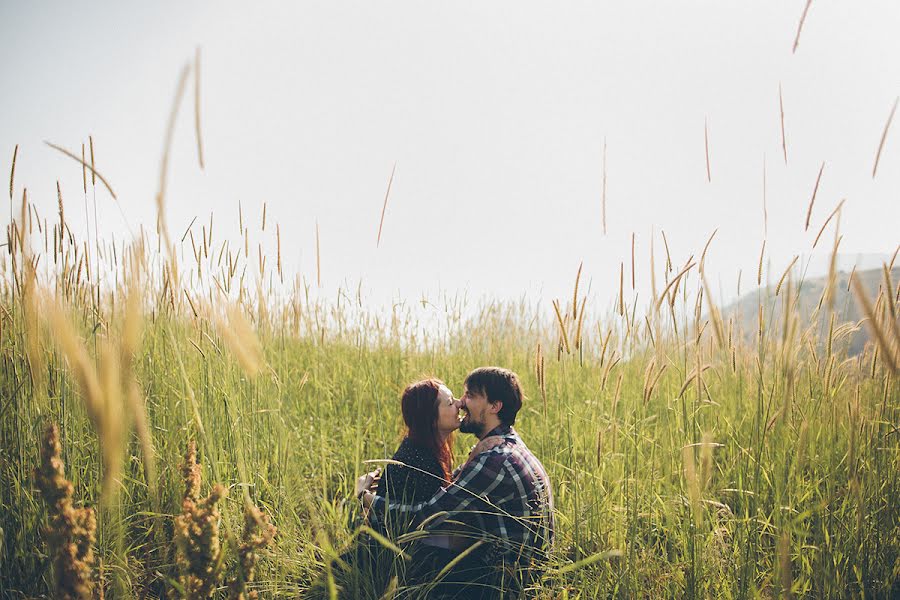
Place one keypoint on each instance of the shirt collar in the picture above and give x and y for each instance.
(499, 430)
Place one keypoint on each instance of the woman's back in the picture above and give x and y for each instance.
(416, 480)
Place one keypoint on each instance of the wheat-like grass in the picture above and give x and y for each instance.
(12, 172)
(62, 214)
(759, 269)
(84, 176)
(387, 194)
(813, 199)
(800, 26)
(871, 322)
(706, 147)
(94, 173)
(692, 482)
(884, 133)
(278, 244)
(562, 325)
(240, 338)
(668, 254)
(781, 110)
(197, 129)
(706, 248)
(828, 220)
(690, 265)
(785, 274)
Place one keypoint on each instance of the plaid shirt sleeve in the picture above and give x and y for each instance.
(468, 492)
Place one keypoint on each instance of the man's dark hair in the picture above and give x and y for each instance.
(499, 385)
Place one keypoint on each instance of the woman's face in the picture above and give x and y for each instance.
(448, 410)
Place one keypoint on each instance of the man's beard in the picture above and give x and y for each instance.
(470, 425)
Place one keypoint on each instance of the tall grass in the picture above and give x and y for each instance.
(689, 458)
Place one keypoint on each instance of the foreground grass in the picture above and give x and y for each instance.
(773, 472)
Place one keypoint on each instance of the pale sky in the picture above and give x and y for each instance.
(496, 115)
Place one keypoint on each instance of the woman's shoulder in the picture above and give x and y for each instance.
(413, 454)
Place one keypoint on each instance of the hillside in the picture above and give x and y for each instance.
(808, 295)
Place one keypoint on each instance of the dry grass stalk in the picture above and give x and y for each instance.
(800, 25)
(562, 325)
(384, 206)
(617, 393)
(718, 325)
(785, 274)
(71, 531)
(575, 290)
(649, 389)
(579, 324)
(696, 373)
(101, 392)
(621, 289)
(881, 337)
(264, 217)
(813, 199)
(258, 533)
(705, 248)
(692, 482)
(783, 137)
(539, 371)
(759, 270)
(784, 561)
(706, 460)
(603, 197)
(84, 176)
(12, 172)
(674, 282)
(62, 214)
(884, 136)
(94, 173)
(668, 254)
(278, 244)
(164, 172)
(832, 269)
(891, 305)
(240, 338)
(706, 144)
(198, 552)
(828, 220)
(197, 129)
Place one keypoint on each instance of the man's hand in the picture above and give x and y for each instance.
(366, 482)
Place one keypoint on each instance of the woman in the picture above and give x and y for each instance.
(431, 415)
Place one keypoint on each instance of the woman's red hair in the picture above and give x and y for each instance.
(419, 405)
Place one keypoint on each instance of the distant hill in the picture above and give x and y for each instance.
(809, 293)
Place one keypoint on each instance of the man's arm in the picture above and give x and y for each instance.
(476, 479)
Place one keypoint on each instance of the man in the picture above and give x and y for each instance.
(496, 516)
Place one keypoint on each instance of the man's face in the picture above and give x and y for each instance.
(475, 405)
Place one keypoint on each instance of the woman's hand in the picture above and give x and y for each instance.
(367, 482)
(486, 444)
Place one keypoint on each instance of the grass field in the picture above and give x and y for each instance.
(689, 459)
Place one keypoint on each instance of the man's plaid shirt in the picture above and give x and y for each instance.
(502, 495)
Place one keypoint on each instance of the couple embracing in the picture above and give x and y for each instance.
(484, 529)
